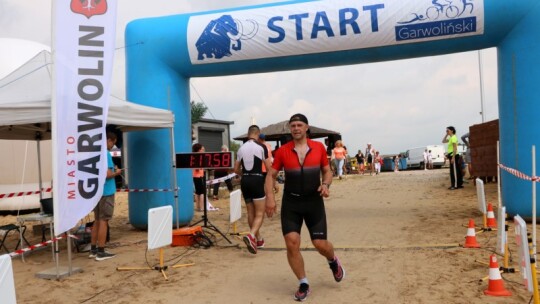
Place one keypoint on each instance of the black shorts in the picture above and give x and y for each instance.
(199, 185)
(252, 187)
(297, 209)
(369, 159)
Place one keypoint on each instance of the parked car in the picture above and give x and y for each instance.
(415, 156)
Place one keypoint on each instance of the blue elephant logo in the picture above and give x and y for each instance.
(221, 36)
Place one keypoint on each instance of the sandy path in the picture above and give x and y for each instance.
(396, 234)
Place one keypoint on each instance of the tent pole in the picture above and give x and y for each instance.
(38, 141)
(174, 180)
(70, 267)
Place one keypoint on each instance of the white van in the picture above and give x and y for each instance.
(415, 156)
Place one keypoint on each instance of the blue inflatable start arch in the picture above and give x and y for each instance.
(293, 35)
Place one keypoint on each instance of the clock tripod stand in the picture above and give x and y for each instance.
(206, 222)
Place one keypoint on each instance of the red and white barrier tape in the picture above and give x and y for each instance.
(221, 179)
(144, 190)
(518, 174)
(33, 247)
(210, 182)
(23, 193)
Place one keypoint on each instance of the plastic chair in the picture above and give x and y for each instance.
(6, 229)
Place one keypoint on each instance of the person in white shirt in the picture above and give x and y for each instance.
(426, 159)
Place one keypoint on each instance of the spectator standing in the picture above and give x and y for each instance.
(378, 162)
(338, 153)
(346, 162)
(330, 155)
(456, 178)
(104, 210)
(426, 159)
(468, 158)
(370, 154)
(262, 140)
(360, 160)
(198, 181)
(430, 160)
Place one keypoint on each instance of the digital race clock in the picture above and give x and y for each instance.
(205, 160)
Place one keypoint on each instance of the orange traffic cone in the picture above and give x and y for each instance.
(491, 221)
(496, 284)
(470, 239)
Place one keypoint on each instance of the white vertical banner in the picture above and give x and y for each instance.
(84, 33)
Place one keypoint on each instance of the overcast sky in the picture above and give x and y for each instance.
(395, 105)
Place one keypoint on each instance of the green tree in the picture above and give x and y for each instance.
(234, 147)
(198, 110)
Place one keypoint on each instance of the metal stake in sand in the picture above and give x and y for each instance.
(159, 236)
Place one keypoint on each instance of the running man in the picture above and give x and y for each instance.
(303, 160)
(250, 159)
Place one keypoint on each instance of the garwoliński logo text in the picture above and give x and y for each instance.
(438, 18)
(89, 8)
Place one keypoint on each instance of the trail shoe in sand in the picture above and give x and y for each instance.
(337, 270)
(302, 292)
(251, 243)
(93, 254)
(101, 256)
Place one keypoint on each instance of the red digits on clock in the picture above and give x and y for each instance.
(208, 159)
(217, 160)
(226, 161)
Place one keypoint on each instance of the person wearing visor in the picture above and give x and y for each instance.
(303, 161)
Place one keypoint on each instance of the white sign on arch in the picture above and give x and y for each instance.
(327, 26)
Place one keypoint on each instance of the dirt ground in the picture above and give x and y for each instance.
(397, 235)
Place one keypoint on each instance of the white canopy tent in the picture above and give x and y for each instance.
(25, 104)
(24, 119)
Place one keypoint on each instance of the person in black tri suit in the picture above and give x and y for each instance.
(303, 161)
(250, 158)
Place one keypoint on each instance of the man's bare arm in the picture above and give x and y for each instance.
(269, 189)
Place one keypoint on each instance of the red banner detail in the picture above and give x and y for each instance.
(89, 8)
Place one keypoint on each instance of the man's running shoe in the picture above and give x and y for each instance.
(93, 254)
(337, 269)
(302, 292)
(260, 243)
(251, 243)
(101, 256)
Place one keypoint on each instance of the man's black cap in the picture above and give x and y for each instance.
(299, 117)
